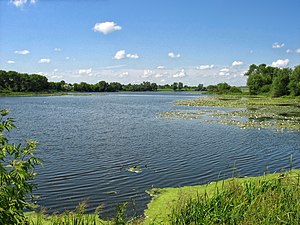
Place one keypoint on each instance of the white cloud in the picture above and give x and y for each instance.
(180, 74)
(122, 55)
(205, 67)
(11, 62)
(277, 45)
(85, 71)
(106, 27)
(173, 55)
(57, 49)
(124, 74)
(132, 56)
(160, 67)
(298, 50)
(67, 58)
(21, 3)
(158, 75)
(22, 52)
(280, 63)
(289, 51)
(44, 61)
(147, 73)
(224, 70)
(237, 63)
(55, 70)
(224, 74)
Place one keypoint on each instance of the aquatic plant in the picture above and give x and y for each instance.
(245, 112)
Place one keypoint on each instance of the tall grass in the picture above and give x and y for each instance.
(261, 201)
(78, 217)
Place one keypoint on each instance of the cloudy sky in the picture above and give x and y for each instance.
(162, 41)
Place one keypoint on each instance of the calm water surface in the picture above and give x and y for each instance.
(89, 142)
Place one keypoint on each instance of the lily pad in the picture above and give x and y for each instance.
(134, 169)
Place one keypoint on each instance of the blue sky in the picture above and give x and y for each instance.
(191, 41)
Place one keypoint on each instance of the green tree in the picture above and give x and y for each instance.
(294, 84)
(114, 86)
(101, 86)
(180, 85)
(17, 165)
(174, 86)
(223, 88)
(280, 83)
(260, 78)
(255, 83)
(212, 88)
(200, 87)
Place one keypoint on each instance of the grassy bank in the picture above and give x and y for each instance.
(268, 199)
(247, 111)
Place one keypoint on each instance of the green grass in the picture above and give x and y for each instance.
(68, 217)
(79, 217)
(269, 199)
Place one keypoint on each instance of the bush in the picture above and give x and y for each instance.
(17, 165)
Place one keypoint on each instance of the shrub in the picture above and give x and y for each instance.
(17, 165)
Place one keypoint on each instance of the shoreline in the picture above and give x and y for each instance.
(164, 200)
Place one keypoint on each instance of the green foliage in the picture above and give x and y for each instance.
(223, 88)
(255, 83)
(174, 86)
(294, 84)
(200, 87)
(19, 82)
(272, 80)
(17, 165)
(281, 82)
(180, 85)
(120, 216)
(274, 201)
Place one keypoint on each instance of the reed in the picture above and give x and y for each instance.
(261, 201)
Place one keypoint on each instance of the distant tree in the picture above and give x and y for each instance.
(212, 88)
(174, 86)
(153, 87)
(180, 86)
(83, 87)
(294, 84)
(101, 86)
(234, 89)
(223, 88)
(280, 83)
(200, 87)
(114, 86)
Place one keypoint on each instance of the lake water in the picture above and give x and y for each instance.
(88, 143)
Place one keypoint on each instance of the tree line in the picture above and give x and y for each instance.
(263, 79)
(12, 81)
